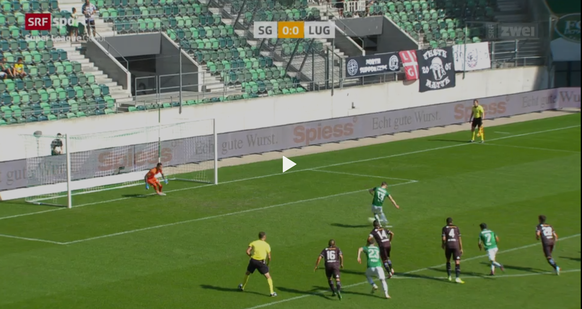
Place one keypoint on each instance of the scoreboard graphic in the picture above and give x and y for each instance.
(294, 30)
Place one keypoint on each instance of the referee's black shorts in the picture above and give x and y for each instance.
(477, 122)
(261, 266)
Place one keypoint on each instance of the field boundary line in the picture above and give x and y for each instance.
(405, 273)
(32, 239)
(223, 215)
(361, 175)
(302, 170)
(533, 148)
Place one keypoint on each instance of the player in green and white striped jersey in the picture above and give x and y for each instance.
(379, 194)
(488, 240)
(374, 263)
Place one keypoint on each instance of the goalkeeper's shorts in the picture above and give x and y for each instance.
(153, 182)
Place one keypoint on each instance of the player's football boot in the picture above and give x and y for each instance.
(387, 296)
(273, 294)
(458, 280)
(240, 287)
(161, 194)
(558, 271)
(502, 268)
(374, 288)
(450, 278)
(492, 273)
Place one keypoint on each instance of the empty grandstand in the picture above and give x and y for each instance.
(213, 40)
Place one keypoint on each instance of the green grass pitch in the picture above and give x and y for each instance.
(186, 250)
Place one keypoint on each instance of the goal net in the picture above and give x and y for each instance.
(62, 167)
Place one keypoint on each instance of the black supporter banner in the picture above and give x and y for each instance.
(436, 68)
(373, 65)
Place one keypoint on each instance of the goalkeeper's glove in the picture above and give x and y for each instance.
(147, 187)
(166, 181)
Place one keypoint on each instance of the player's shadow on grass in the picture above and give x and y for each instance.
(418, 276)
(521, 268)
(353, 272)
(223, 289)
(316, 291)
(351, 226)
(447, 140)
(136, 195)
(570, 258)
(464, 273)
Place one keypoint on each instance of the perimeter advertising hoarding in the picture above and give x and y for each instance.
(233, 144)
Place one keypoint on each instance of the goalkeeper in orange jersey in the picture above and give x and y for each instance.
(150, 179)
(476, 119)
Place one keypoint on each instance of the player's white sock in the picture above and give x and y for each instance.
(384, 286)
(384, 219)
(377, 218)
(495, 264)
(492, 268)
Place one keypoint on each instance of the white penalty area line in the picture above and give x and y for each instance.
(419, 270)
(301, 170)
(407, 181)
(32, 239)
(224, 215)
(533, 148)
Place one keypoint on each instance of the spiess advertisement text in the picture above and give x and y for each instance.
(108, 161)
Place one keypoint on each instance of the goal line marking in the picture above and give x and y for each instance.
(408, 272)
(300, 170)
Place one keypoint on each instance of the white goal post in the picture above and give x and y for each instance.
(101, 161)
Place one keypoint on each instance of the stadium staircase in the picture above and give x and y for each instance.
(75, 53)
(210, 39)
(59, 84)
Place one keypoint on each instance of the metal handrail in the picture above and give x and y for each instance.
(102, 39)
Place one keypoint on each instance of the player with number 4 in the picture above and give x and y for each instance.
(453, 246)
(379, 194)
(150, 179)
(334, 260)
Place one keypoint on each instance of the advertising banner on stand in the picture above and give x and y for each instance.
(373, 65)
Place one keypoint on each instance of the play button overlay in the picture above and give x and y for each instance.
(287, 164)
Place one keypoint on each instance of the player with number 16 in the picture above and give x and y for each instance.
(334, 260)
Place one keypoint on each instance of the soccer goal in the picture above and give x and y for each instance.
(101, 161)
